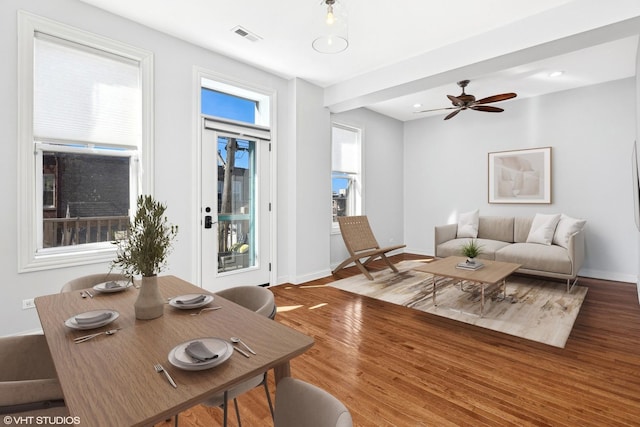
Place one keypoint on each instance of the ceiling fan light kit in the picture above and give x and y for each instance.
(466, 101)
(333, 29)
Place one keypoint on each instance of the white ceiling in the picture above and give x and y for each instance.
(405, 52)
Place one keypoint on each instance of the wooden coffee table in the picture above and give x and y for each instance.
(493, 273)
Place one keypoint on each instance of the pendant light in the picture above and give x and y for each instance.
(333, 28)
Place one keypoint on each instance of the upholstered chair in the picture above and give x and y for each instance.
(260, 300)
(91, 280)
(302, 404)
(28, 380)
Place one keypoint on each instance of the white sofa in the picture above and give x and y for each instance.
(511, 239)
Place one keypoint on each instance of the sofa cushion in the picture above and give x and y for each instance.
(566, 228)
(496, 228)
(468, 224)
(542, 228)
(454, 247)
(521, 228)
(533, 256)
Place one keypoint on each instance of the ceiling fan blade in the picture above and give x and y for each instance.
(496, 98)
(487, 108)
(450, 115)
(436, 109)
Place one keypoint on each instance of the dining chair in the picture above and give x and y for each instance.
(28, 382)
(255, 298)
(299, 403)
(85, 282)
(260, 300)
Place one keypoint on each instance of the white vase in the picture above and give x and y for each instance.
(471, 261)
(149, 304)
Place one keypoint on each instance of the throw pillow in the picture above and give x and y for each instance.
(468, 224)
(543, 228)
(566, 228)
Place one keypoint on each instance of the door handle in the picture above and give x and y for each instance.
(208, 221)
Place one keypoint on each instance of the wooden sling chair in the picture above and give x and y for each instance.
(361, 244)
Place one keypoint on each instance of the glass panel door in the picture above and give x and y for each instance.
(236, 211)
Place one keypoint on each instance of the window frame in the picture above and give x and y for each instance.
(357, 179)
(30, 258)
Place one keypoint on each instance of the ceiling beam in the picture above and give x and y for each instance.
(451, 63)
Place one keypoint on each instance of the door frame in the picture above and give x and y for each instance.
(200, 73)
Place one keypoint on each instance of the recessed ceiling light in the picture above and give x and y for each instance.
(556, 73)
(417, 105)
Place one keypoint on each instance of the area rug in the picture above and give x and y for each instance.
(534, 309)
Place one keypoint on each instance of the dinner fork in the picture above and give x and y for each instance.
(158, 367)
(206, 309)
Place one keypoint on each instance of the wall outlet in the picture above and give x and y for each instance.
(28, 303)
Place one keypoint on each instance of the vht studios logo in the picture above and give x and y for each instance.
(40, 420)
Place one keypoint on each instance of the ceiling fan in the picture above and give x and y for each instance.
(465, 101)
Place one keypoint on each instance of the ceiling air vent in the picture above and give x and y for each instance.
(243, 32)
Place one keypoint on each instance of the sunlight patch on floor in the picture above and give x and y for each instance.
(288, 308)
(318, 305)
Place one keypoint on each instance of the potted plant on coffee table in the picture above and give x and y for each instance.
(471, 250)
(144, 253)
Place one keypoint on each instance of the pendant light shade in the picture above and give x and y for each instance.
(332, 27)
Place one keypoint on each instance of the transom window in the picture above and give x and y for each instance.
(227, 106)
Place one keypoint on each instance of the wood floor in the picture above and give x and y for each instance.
(394, 366)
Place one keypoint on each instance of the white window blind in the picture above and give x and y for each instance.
(345, 156)
(97, 95)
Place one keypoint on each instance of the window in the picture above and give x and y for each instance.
(229, 103)
(346, 171)
(85, 127)
(227, 106)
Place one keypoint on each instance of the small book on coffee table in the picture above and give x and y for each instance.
(470, 266)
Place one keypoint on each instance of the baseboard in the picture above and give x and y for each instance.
(413, 251)
(305, 278)
(608, 275)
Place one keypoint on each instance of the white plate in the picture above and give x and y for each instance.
(180, 359)
(102, 287)
(71, 322)
(174, 301)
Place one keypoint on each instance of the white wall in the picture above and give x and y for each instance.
(637, 140)
(591, 131)
(175, 143)
(309, 184)
(382, 140)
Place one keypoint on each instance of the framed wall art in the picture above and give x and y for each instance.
(520, 176)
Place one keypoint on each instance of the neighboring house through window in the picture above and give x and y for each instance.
(85, 131)
(346, 171)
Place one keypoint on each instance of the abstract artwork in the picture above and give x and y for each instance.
(520, 176)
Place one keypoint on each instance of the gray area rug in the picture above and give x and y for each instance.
(534, 309)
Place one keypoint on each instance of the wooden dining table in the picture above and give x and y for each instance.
(111, 381)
